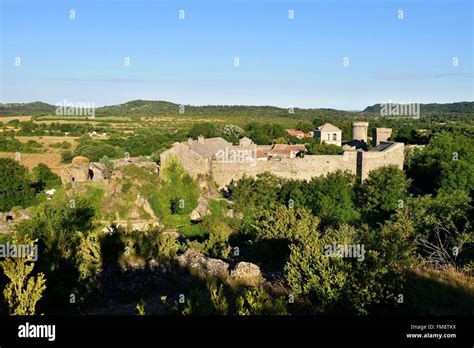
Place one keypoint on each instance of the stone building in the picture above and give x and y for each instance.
(359, 131)
(329, 134)
(380, 134)
(218, 157)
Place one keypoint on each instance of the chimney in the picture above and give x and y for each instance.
(200, 139)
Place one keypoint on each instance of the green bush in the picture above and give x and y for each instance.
(15, 185)
(43, 178)
(177, 195)
(66, 156)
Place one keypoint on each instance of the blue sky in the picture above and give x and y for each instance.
(282, 61)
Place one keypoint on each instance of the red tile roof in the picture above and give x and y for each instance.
(297, 133)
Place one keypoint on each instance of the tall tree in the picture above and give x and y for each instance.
(15, 185)
(382, 193)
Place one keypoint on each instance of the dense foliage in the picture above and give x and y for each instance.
(15, 185)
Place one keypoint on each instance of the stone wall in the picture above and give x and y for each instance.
(394, 155)
(356, 162)
(380, 134)
(291, 168)
(192, 162)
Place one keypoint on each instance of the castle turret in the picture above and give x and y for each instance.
(380, 134)
(359, 131)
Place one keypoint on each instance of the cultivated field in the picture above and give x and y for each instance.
(6, 119)
(31, 160)
(49, 140)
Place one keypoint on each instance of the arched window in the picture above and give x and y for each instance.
(329, 136)
(334, 136)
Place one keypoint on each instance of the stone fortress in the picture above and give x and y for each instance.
(227, 162)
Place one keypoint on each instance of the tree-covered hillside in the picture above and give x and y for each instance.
(432, 108)
(164, 108)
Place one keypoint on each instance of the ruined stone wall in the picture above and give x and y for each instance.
(356, 162)
(191, 161)
(394, 155)
(291, 168)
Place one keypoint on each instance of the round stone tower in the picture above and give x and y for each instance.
(359, 131)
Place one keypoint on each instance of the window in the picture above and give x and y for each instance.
(329, 136)
(334, 136)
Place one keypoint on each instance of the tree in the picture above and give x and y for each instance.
(443, 226)
(253, 196)
(43, 178)
(305, 127)
(66, 156)
(309, 272)
(346, 283)
(407, 134)
(109, 166)
(331, 198)
(207, 130)
(232, 131)
(446, 163)
(317, 122)
(67, 256)
(278, 228)
(292, 194)
(15, 185)
(96, 150)
(285, 223)
(382, 193)
(324, 149)
(23, 291)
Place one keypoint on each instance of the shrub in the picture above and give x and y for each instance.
(23, 291)
(44, 178)
(258, 302)
(15, 185)
(66, 156)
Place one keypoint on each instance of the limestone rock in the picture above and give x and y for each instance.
(234, 214)
(247, 274)
(201, 210)
(195, 260)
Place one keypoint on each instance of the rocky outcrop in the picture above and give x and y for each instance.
(142, 226)
(247, 274)
(143, 203)
(244, 273)
(201, 210)
(234, 214)
(9, 219)
(194, 260)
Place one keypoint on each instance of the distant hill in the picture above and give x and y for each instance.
(158, 108)
(163, 108)
(459, 107)
(20, 109)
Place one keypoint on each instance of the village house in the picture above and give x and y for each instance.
(329, 134)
